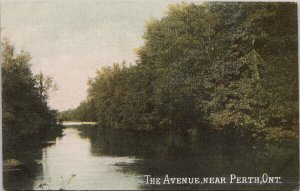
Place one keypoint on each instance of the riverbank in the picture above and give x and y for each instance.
(13, 143)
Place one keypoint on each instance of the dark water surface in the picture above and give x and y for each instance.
(89, 157)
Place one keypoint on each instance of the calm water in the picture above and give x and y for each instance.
(88, 157)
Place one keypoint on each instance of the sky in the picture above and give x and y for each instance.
(70, 40)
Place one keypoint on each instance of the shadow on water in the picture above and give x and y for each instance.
(22, 162)
(178, 156)
(131, 155)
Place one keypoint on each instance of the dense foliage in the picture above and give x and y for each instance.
(226, 67)
(25, 110)
(81, 113)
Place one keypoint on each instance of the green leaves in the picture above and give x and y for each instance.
(25, 109)
(230, 67)
(246, 86)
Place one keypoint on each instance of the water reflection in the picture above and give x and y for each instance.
(89, 157)
(70, 165)
(178, 156)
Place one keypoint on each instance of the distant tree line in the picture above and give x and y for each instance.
(223, 67)
(25, 112)
(84, 112)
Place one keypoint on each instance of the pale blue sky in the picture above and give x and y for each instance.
(69, 40)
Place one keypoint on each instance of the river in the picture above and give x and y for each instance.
(88, 157)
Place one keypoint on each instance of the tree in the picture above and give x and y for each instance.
(45, 84)
(25, 111)
(228, 68)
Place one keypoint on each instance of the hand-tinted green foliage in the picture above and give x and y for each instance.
(25, 110)
(254, 73)
(230, 67)
(84, 112)
(120, 96)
